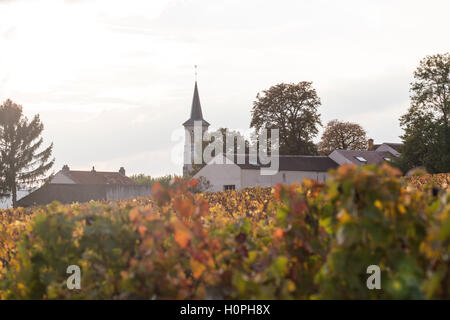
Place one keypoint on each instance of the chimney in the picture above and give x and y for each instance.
(65, 168)
(370, 148)
(122, 171)
(93, 169)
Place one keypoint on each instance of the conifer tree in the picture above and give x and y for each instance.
(22, 161)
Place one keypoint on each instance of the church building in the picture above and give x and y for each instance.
(227, 174)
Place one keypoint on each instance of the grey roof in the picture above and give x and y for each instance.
(295, 163)
(396, 146)
(97, 177)
(372, 157)
(196, 110)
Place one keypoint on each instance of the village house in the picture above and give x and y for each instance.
(68, 186)
(234, 176)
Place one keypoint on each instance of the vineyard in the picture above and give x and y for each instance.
(308, 241)
(422, 180)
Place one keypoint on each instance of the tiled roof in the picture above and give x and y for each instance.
(372, 157)
(295, 163)
(97, 177)
(396, 146)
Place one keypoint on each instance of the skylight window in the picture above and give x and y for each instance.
(361, 159)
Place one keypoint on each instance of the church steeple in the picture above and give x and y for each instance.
(192, 153)
(196, 110)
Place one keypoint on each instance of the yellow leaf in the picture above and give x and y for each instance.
(197, 268)
(344, 216)
(378, 204)
(290, 285)
(401, 208)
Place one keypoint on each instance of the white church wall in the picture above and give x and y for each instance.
(220, 175)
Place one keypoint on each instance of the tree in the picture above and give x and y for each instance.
(342, 135)
(143, 179)
(426, 126)
(20, 156)
(239, 145)
(291, 108)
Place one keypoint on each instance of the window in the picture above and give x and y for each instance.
(229, 187)
(361, 159)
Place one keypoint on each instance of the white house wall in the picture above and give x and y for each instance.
(221, 174)
(117, 192)
(251, 178)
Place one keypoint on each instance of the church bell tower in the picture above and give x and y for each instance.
(197, 122)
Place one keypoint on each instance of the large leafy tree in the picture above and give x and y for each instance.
(21, 159)
(342, 135)
(293, 109)
(426, 124)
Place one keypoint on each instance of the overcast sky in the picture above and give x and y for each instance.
(113, 80)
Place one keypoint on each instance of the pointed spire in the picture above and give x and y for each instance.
(196, 110)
